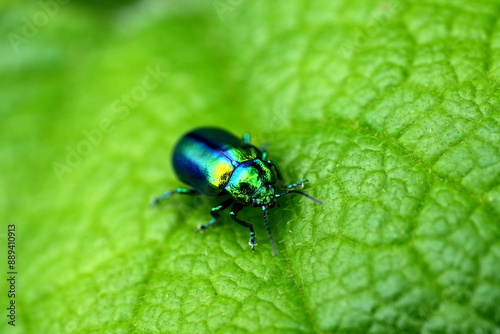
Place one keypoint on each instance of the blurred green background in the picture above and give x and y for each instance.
(389, 108)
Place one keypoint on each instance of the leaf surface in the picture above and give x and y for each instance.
(390, 109)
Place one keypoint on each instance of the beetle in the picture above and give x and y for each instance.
(213, 162)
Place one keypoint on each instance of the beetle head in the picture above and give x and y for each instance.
(251, 184)
(264, 196)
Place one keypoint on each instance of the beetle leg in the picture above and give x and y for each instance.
(299, 184)
(234, 211)
(169, 193)
(246, 138)
(282, 184)
(214, 212)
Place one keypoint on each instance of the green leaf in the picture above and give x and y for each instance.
(390, 109)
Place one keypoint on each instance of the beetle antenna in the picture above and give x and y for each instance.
(264, 210)
(299, 192)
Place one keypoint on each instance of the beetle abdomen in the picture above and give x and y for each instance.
(205, 159)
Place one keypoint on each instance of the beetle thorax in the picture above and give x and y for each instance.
(251, 183)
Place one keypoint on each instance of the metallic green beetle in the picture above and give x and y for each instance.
(213, 162)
